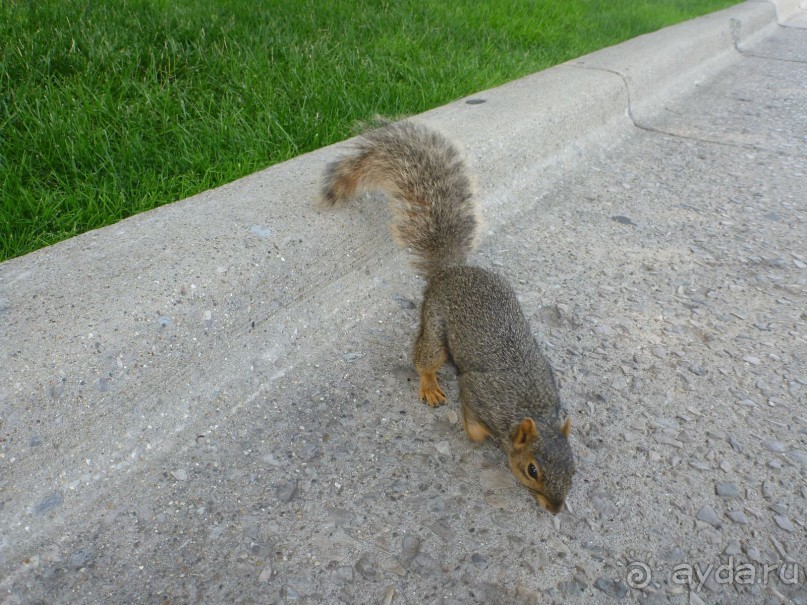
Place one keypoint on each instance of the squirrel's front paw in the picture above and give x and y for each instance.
(430, 390)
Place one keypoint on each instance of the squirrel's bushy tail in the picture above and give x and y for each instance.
(434, 213)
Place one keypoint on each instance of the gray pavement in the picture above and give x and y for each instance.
(214, 402)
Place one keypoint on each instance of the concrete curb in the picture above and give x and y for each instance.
(785, 8)
(587, 100)
(668, 63)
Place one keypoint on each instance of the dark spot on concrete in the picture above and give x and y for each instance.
(49, 503)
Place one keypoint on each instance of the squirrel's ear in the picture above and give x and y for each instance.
(525, 433)
(566, 427)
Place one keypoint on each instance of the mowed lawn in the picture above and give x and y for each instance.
(111, 108)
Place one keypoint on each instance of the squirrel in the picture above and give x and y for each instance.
(507, 388)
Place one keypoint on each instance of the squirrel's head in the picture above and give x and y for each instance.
(542, 461)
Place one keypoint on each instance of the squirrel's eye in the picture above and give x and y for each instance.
(532, 471)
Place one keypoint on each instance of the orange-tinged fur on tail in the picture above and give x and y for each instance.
(434, 212)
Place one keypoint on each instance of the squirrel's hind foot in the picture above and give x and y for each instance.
(430, 391)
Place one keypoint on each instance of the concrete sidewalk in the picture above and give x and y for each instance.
(214, 402)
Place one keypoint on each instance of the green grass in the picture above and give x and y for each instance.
(111, 108)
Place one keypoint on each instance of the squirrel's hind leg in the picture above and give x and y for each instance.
(430, 355)
(475, 428)
(476, 431)
(430, 390)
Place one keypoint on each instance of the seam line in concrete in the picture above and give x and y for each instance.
(751, 55)
(624, 85)
(651, 129)
(730, 145)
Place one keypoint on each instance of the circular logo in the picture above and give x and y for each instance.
(639, 575)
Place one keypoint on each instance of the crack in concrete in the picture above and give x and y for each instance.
(647, 128)
(751, 55)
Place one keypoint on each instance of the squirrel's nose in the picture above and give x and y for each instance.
(551, 505)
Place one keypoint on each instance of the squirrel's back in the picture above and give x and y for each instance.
(479, 306)
(434, 212)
